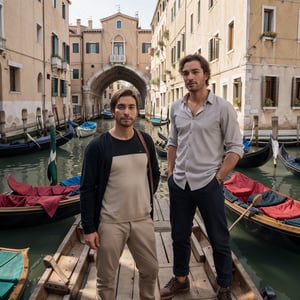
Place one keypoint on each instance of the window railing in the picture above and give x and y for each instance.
(116, 58)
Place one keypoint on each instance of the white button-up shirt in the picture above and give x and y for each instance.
(203, 139)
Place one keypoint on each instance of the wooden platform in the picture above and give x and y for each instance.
(127, 278)
(71, 272)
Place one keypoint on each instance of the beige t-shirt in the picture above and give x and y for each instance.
(127, 195)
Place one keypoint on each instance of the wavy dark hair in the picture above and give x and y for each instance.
(203, 63)
(123, 93)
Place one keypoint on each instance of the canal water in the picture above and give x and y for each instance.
(270, 262)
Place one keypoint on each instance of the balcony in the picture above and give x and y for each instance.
(56, 62)
(117, 59)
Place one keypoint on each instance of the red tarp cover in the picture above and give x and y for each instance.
(49, 203)
(242, 187)
(25, 189)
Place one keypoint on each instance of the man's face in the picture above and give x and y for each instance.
(193, 76)
(126, 111)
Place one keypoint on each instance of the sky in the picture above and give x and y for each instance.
(98, 9)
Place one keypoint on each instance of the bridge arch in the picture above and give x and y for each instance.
(99, 81)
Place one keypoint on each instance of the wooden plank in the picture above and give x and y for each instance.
(160, 250)
(55, 284)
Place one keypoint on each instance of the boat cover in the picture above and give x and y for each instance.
(49, 203)
(25, 189)
(274, 204)
(11, 266)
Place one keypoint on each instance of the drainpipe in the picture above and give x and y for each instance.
(44, 62)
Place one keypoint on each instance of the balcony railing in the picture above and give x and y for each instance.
(56, 62)
(114, 58)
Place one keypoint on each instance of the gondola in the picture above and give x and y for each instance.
(277, 215)
(256, 158)
(162, 136)
(87, 128)
(35, 145)
(161, 149)
(158, 121)
(32, 206)
(291, 163)
(14, 269)
(71, 272)
(107, 114)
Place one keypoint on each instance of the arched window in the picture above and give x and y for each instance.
(119, 24)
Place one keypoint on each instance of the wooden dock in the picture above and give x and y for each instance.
(202, 274)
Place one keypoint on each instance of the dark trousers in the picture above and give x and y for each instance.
(210, 202)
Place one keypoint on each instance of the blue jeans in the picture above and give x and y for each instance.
(210, 202)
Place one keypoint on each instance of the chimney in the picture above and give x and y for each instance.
(90, 24)
(78, 24)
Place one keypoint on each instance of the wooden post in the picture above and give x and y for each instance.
(298, 130)
(255, 121)
(275, 127)
(24, 119)
(39, 121)
(2, 126)
(45, 118)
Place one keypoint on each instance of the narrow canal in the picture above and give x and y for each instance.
(269, 262)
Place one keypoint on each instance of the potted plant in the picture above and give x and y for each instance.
(161, 44)
(269, 34)
(297, 102)
(268, 102)
(237, 102)
(166, 34)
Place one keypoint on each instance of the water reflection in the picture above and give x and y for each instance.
(268, 262)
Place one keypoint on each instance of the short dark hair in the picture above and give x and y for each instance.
(203, 63)
(123, 93)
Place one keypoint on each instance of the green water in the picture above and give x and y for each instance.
(269, 263)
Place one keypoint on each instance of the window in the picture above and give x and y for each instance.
(145, 47)
(118, 48)
(237, 91)
(192, 23)
(63, 10)
(295, 92)
(183, 41)
(54, 3)
(268, 19)
(75, 47)
(213, 48)
(210, 3)
(54, 45)
(270, 86)
(75, 74)
(224, 91)
(2, 40)
(119, 24)
(54, 87)
(178, 49)
(198, 11)
(75, 99)
(230, 36)
(63, 88)
(39, 33)
(40, 83)
(66, 52)
(14, 78)
(92, 47)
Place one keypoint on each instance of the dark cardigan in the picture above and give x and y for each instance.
(95, 173)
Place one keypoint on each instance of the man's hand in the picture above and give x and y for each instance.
(92, 240)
